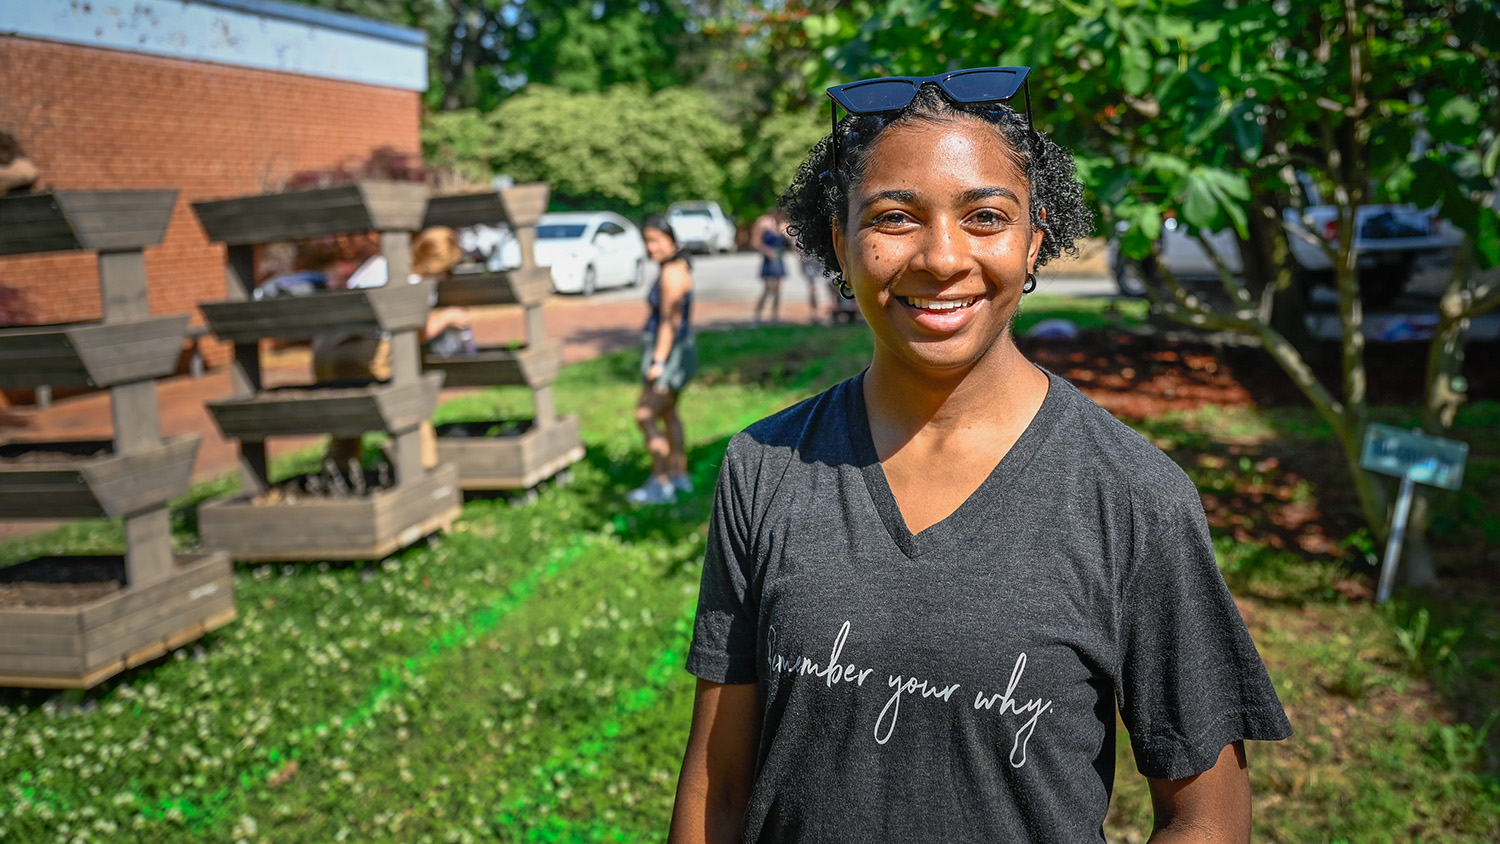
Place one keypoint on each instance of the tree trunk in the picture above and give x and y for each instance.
(1444, 394)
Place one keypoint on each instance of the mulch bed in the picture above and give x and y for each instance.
(1140, 377)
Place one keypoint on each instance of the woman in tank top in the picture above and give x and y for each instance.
(768, 237)
(668, 359)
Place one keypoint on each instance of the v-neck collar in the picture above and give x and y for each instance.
(955, 525)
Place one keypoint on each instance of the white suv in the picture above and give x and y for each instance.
(701, 226)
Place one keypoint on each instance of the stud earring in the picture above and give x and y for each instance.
(1030, 284)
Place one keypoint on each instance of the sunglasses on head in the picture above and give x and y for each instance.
(893, 93)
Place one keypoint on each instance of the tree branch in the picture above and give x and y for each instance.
(1237, 292)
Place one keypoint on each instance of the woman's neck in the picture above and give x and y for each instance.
(996, 392)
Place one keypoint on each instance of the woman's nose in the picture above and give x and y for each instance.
(944, 250)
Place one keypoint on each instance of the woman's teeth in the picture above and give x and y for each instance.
(938, 305)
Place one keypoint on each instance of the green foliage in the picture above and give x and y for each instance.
(482, 51)
(1242, 90)
(773, 149)
(623, 149)
(580, 49)
(1423, 647)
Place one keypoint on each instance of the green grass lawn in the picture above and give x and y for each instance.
(519, 678)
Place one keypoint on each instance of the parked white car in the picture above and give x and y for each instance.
(701, 226)
(590, 250)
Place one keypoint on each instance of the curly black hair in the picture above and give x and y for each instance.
(817, 196)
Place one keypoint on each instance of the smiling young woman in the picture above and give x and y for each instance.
(928, 590)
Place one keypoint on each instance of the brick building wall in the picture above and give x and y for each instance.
(95, 118)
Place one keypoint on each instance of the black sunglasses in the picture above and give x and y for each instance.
(892, 93)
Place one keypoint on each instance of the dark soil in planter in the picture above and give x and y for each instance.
(322, 389)
(332, 484)
(43, 454)
(60, 581)
(487, 428)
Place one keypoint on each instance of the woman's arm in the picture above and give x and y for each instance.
(719, 766)
(442, 319)
(675, 283)
(19, 173)
(1213, 806)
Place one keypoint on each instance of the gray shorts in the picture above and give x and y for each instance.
(681, 362)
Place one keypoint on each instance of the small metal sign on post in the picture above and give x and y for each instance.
(1415, 458)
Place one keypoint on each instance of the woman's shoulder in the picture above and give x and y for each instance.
(810, 423)
(1113, 450)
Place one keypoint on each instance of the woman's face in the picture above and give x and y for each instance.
(659, 246)
(938, 243)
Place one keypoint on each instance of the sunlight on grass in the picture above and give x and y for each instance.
(1096, 312)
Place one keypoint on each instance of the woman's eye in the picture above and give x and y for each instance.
(988, 218)
(890, 218)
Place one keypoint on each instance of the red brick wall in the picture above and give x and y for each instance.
(101, 119)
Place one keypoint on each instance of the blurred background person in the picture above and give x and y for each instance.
(18, 173)
(669, 357)
(768, 237)
(367, 357)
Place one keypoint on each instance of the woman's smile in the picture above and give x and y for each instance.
(940, 315)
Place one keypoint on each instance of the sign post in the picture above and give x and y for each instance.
(1415, 458)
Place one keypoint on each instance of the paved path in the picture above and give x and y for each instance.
(607, 322)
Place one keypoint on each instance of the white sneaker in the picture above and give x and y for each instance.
(652, 491)
(682, 484)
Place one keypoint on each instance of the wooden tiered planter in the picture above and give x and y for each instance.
(60, 480)
(516, 456)
(73, 621)
(92, 354)
(255, 525)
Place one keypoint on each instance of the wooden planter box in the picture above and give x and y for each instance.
(393, 307)
(338, 411)
(535, 366)
(102, 221)
(366, 528)
(59, 485)
(270, 218)
(514, 461)
(525, 287)
(90, 354)
(78, 646)
(519, 206)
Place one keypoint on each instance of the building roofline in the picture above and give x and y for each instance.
(323, 18)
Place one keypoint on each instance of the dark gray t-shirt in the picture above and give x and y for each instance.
(960, 684)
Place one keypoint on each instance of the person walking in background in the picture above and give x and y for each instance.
(768, 237)
(669, 357)
(929, 591)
